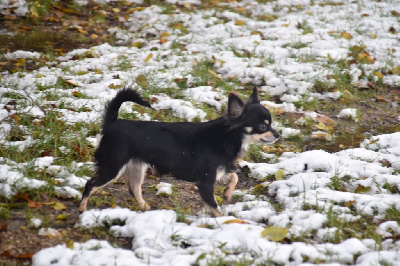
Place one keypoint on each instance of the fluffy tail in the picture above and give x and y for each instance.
(124, 95)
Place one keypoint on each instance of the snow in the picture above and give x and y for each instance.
(316, 185)
(349, 113)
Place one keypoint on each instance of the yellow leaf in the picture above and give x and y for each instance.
(97, 71)
(62, 217)
(58, 206)
(70, 244)
(113, 86)
(378, 74)
(142, 81)
(362, 189)
(396, 70)
(261, 189)
(140, 8)
(76, 93)
(81, 30)
(235, 221)
(116, 10)
(279, 174)
(164, 34)
(373, 36)
(148, 57)
(324, 127)
(346, 35)
(34, 11)
(72, 83)
(219, 200)
(274, 233)
(138, 44)
(212, 72)
(240, 22)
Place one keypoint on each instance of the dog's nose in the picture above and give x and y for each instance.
(276, 134)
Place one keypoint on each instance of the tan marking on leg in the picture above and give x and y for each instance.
(230, 187)
(83, 204)
(135, 171)
(214, 212)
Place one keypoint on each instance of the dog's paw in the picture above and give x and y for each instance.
(144, 206)
(227, 195)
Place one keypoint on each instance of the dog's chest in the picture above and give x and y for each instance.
(221, 173)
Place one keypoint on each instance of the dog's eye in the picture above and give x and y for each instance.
(264, 127)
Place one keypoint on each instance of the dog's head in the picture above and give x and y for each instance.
(252, 118)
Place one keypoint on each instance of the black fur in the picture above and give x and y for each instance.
(189, 151)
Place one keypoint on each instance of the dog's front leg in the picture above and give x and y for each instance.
(230, 187)
(206, 191)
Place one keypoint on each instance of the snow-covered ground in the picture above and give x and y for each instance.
(285, 56)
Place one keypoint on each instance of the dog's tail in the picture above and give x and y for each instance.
(112, 108)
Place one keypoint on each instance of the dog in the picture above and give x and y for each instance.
(203, 152)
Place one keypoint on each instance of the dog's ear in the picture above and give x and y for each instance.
(235, 105)
(254, 96)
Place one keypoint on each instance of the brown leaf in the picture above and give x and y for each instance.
(362, 189)
(9, 255)
(3, 226)
(34, 204)
(349, 203)
(326, 120)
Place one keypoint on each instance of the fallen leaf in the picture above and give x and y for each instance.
(34, 204)
(142, 81)
(148, 58)
(72, 83)
(361, 189)
(324, 127)
(70, 244)
(58, 206)
(3, 226)
(382, 99)
(116, 10)
(279, 174)
(373, 36)
(396, 70)
(326, 120)
(213, 73)
(76, 94)
(34, 11)
(164, 34)
(235, 221)
(349, 203)
(240, 22)
(62, 217)
(9, 255)
(274, 233)
(378, 74)
(346, 35)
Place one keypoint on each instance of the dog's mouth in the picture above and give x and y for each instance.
(269, 140)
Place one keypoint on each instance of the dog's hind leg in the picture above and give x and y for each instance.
(101, 178)
(230, 187)
(135, 172)
(207, 194)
